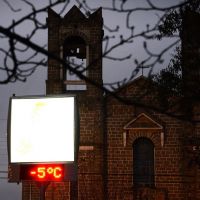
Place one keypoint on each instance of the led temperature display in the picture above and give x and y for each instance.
(42, 172)
(46, 172)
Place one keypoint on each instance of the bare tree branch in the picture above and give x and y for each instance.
(17, 67)
(11, 7)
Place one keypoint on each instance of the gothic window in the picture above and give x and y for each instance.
(143, 162)
(75, 54)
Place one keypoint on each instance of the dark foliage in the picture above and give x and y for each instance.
(172, 23)
(170, 79)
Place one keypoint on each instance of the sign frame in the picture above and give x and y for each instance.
(75, 131)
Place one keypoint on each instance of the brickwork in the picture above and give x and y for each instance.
(109, 128)
(171, 171)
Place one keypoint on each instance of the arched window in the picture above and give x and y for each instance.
(143, 162)
(75, 53)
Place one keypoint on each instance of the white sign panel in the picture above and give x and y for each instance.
(42, 130)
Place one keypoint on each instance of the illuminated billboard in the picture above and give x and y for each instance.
(42, 129)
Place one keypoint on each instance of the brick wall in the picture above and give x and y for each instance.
(172, 174)
(105, 162)
(90, 159)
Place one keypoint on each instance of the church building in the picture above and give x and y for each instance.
(126, 151)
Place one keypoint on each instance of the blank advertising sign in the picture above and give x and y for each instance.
(42, 129)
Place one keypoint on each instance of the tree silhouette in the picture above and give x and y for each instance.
(21, 55)
(171, 79)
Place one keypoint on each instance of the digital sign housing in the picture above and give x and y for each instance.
(42, 129)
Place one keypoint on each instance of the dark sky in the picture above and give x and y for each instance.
(35, 85)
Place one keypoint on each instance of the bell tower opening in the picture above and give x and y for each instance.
(75, 53)
(77, 40)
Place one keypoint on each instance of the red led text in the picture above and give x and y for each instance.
(44, 173)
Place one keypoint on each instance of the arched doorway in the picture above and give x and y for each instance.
(143, 162)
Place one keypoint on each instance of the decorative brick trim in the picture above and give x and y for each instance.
(151, 122)
(154, 136)
(65, 34)
(147, 127)
(86, 148)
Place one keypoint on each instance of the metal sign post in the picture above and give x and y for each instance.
(43, 186)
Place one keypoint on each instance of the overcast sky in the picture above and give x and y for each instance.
(35, 84)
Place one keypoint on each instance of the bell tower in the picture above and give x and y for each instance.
(77, 39)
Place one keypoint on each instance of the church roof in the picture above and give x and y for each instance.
(139, 81)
